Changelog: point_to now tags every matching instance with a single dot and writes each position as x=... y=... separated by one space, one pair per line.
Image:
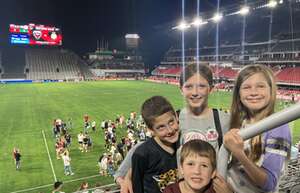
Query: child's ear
x=214 y=173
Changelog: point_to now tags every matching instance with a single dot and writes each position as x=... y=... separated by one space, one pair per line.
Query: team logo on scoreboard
x=53 y=36
x=37 y=34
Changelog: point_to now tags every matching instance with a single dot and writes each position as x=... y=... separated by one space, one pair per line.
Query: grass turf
x=27 y=109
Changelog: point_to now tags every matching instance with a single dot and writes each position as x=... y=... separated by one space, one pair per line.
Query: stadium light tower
x=272 y=4
x=132 y=41
x=244 y=10
x=217 y=17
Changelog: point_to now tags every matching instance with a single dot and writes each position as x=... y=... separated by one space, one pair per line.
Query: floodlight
x=244 y=10
x=198 y=21
x=217 y=17
x=183 y=26
x=133 y=36
x=272 y=4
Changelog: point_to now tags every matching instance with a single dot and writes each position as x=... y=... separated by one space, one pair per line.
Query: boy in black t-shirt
x=154 y=162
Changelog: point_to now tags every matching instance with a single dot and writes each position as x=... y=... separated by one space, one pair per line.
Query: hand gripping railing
x=277 y=119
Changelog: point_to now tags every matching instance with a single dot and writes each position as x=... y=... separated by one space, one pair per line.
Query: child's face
x=195 y=91
x=166 y=128
x=197 y=172
x=255 y=92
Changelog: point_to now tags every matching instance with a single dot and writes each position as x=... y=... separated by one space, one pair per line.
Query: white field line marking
x=35 y=188
x=45 y=140
x=68 y=181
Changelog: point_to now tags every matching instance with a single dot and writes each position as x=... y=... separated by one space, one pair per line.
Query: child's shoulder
x=282 y=131
x=147 y=146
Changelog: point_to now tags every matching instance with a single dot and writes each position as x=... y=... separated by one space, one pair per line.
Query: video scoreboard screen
x=33 y=34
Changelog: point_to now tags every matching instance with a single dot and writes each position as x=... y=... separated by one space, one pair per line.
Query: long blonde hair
x=239 y=112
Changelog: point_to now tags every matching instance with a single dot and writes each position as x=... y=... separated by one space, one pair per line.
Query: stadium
x=50 y=90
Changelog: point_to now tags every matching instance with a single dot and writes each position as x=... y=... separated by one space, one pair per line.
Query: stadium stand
x=13 y=63
x=54 y=64
x=50 y=64
x=105 y=63
x=42 y=64
x=83 y=66
x=290 y=75
x=1 y=68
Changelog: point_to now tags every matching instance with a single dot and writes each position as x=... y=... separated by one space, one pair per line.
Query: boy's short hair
x=57 y=184
x=155 y=107
x=200 y=148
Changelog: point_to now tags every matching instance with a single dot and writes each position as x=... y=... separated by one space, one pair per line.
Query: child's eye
x=190 y=163
x=188 y=86
x=246 y=87
x=261 y=86
x=162 y=127
x=202 y=85
x=171 y=122
x=204 y=165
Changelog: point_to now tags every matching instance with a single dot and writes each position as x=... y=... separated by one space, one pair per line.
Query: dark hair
x=57 y=184
x=191 y=69
x=155 y=107
x=200 y=148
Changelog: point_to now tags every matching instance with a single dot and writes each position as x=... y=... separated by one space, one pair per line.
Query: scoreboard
x=33 y=34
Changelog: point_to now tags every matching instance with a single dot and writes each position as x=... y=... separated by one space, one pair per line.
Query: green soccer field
x=28 y=109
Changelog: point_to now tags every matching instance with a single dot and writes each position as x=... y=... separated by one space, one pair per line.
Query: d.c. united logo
x=37 y=34
x=212 y=135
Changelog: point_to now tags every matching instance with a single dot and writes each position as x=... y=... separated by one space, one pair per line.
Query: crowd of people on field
x=115 y=150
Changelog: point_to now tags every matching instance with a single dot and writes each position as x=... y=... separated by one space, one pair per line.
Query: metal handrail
x=275 y=120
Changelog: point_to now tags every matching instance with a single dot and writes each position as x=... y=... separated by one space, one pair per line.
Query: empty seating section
x=222 y=72
x=228 y=73
x=168 y=71
x=286 y=75
x=288 y=92
x=286 y=46
x=51 y=64
x=290 y=75
x=117 y=64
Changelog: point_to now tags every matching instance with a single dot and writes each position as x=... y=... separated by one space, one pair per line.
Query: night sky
x=84 y=22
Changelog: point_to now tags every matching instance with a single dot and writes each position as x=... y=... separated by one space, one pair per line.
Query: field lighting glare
x=244 y=10
x=272 y=4
x=217 y=17
x=198 y=21
x=183 y=26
